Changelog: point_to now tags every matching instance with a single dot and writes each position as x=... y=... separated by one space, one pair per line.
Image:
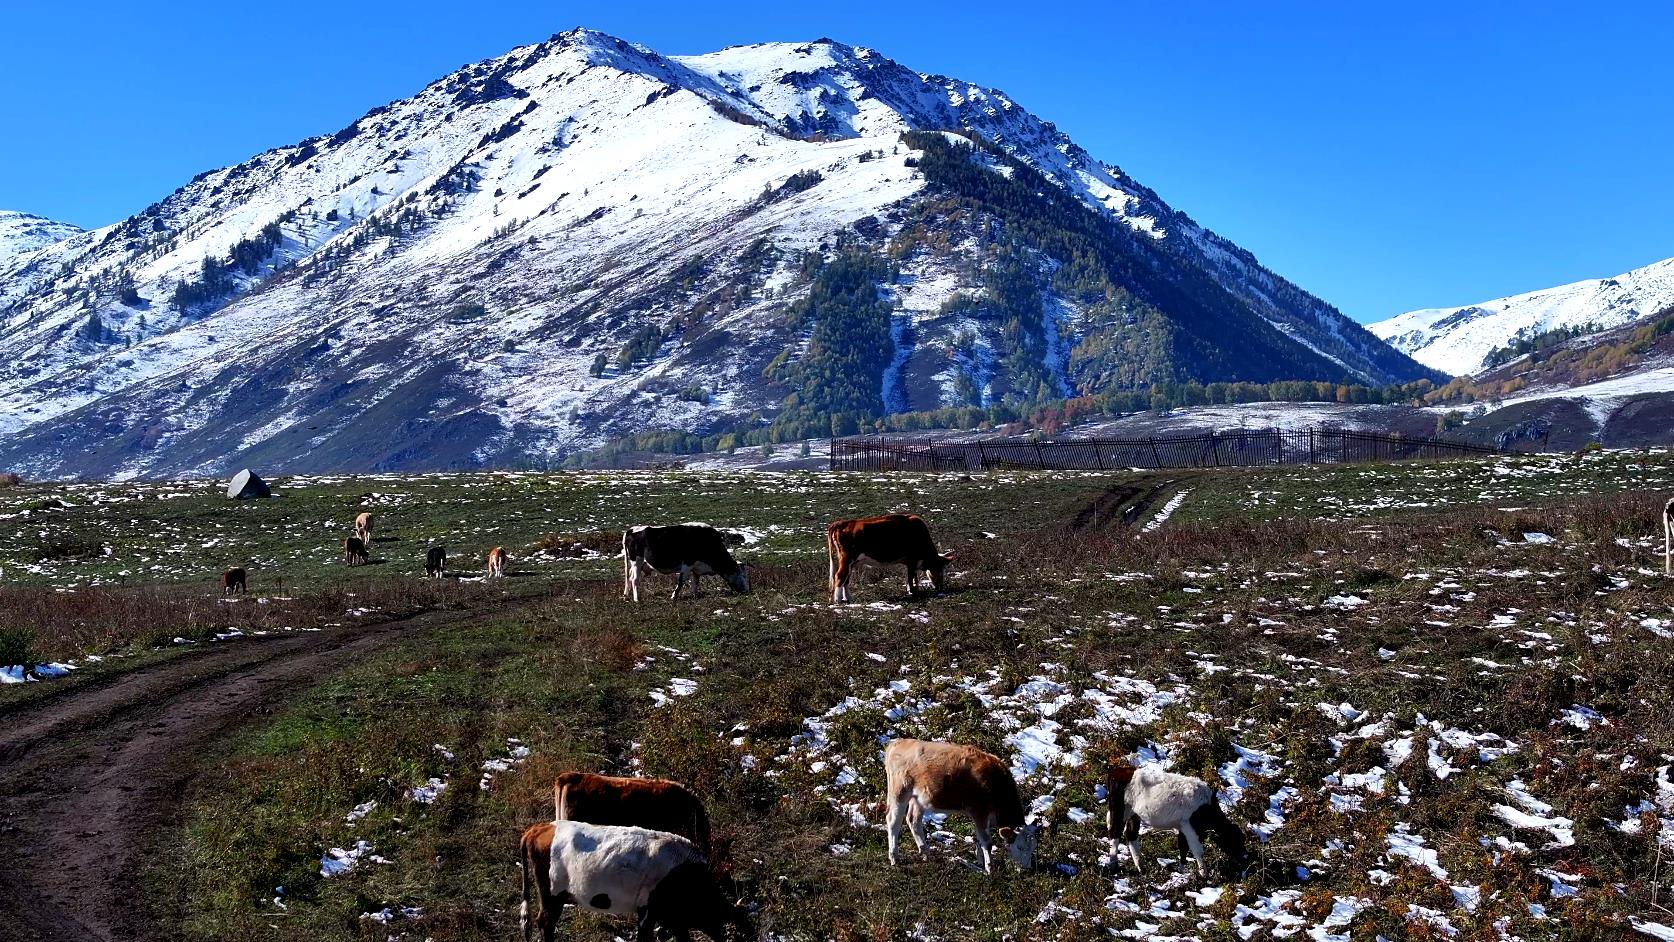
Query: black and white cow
x=661 y=879
x=688 y=549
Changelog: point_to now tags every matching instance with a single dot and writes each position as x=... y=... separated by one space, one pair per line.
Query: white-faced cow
x=661 y=879
x=654 y=803
x=892 y=539
x=937 y=776
x=354 y=551
x=436 y=562
x=363 y=527
x=233 y=581
x=690 y=549
x=1168 y=801
x=497 y=562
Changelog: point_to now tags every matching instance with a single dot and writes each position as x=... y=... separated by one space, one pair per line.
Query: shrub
x=17 y=647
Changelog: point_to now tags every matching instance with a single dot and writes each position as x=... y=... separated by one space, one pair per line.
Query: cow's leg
x=632 y=589
x=697 y=593
x=898 y=812
x=985 y=845
x=840 y=584
x=1133 y=850
x=681 y=582
x=915 y=824
x=912 y=580
x=1194 y=843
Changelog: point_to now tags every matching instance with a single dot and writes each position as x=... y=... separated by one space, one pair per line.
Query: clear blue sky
x=1384 y=156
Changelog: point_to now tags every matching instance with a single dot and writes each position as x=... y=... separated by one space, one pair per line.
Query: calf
x=1167 y=801
x=436 y=562
x=232 y=581
x=892 y=539
x=939 y=776
x=354 y=551
x=689 y=548
x=497 y=562
x=363 y=527
x=654 y=803
x=660 y=879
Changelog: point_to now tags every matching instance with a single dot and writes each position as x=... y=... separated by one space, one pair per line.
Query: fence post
x=1156 y=458
x=982 y=456
x=1040 y=456
x=1215 y=449
x=1313 y=456
x=1098 y=455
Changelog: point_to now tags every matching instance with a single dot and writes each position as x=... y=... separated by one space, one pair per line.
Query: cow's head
x=689 y=898
x=937 y=567
x=1021 y=843
x=739 y=581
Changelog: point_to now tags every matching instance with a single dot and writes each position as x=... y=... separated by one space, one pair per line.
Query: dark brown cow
x=892 y=539
x=654 y=803
x=939 y=776
x=354 y=551
x=436 y=562
x=233 y=581
x=690 y=549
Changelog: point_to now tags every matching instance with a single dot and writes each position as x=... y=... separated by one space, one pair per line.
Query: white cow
x=661 y=879
x=1167 y=801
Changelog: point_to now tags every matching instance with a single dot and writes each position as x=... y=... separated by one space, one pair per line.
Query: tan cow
x=363 y=527
x=892 y=539
x=497 y=562
x=937 y=776
x=654 y=803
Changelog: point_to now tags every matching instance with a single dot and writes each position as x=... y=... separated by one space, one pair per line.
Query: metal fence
x=1242 y=448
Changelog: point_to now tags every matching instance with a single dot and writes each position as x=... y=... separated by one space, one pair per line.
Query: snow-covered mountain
x=23 y=233
x=1456 y=339
x=583 y=239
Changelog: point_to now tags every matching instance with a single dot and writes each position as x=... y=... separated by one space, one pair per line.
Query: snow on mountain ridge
x=25 y=233
x=1457 y=339
x=450 y=270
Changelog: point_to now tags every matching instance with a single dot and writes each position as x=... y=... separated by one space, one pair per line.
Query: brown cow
x=497 y=562
x=892 y=539
x=938 y=776
x=354 y=551
x=363 y=527
x=233 y=581
x=654 y=803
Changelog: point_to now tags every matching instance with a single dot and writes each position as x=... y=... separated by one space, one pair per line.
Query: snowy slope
x=1457 y=339
x=23 y=233
x=454 y=279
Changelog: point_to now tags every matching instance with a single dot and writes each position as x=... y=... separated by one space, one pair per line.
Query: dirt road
x=88 y=777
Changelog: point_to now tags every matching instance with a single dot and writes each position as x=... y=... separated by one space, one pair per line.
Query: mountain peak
x=24 y=233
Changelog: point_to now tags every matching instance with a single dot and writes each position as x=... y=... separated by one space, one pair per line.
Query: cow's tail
x=627 y=563
x=560 y=799
x=831 y=561
x=525 y=863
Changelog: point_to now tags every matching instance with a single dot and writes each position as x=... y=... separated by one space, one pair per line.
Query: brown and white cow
x=654 y=803
x=892 y=539
x=233 y=581
x=354 y=551
x=363 y=527
x=937 y=776
x=497 y=562
x=1168 y=801
x=436 y=562
x=690 y=549
x=661 y=879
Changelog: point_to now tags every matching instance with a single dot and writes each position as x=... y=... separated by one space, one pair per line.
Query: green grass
x=1234 y=608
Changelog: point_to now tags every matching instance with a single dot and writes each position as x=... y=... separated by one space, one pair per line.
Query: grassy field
x=1439 y=694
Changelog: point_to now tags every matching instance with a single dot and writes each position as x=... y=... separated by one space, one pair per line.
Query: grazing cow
x=892 y=539
x=691 y=549
x=660 y=879
x=436 y=562
x=938 y=776
x=654 y=803
x=233 y=581
x=497 y=562
x=1166 y=801
x=363 y=527
x=354 y=551
x=1668 y=538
